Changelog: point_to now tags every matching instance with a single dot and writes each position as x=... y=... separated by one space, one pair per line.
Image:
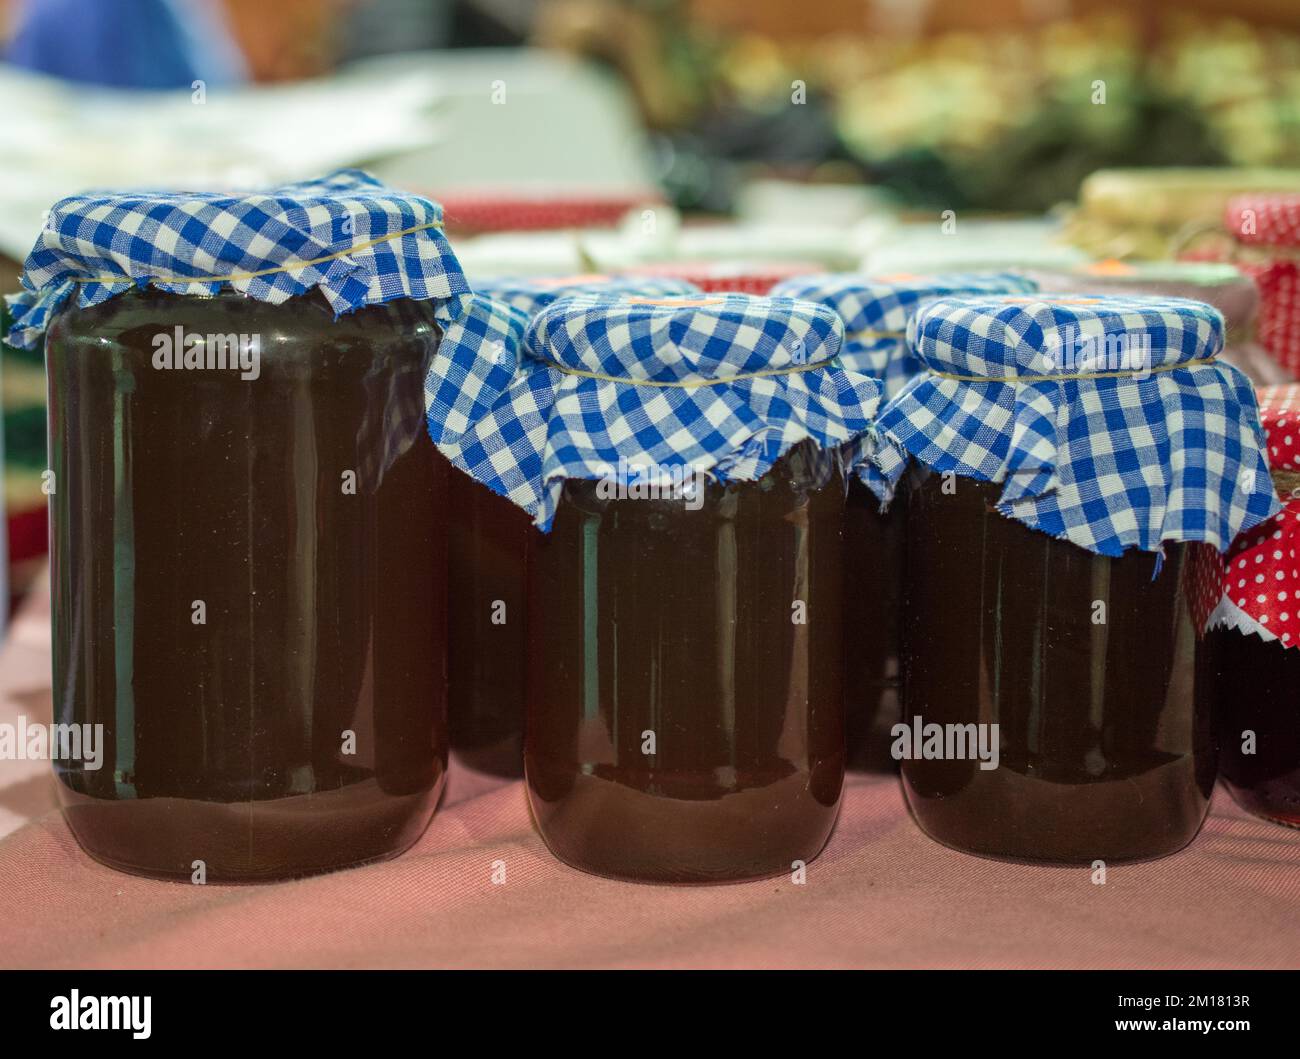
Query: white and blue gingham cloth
x=356 y=240
x=1164 y=446
x=721 y=384
x=347 y=235
x=532 y=294
x=877 y=309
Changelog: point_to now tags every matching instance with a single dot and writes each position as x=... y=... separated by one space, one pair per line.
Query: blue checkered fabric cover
x=347 y=235
x=876 y=311
x=532 y=294
x=722 y=384
x=1164 y=446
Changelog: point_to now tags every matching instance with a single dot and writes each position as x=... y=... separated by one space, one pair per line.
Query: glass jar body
x=248 y=573
x=492 y=541
x=1088 y=667
x=875 y=545
x=1258 y=720
x=685 y=713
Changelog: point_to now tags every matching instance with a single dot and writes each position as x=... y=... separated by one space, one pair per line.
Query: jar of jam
x=684 y=712
x=1254 y=632
x=492 y=541
x=1079 y=463
x=248 y=522
x=876 y=310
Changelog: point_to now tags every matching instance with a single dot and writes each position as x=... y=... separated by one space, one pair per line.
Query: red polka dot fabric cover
x=1261 y=581
x=1260 y=224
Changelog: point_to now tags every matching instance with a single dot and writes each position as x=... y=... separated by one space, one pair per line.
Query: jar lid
x=1217 y=283
x=532 y=294
x=698 y=340
x=1266 y=220
x=876 y=310
x=1109 y=420
x=1058 y=336
x=347 y=235
x=722 y=385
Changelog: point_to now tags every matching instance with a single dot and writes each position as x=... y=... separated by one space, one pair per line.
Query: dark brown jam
x=248 y=585
x=491 y=541
x=1105 y=742
x=1259 y=724
x=874 y=544
x=685 y=712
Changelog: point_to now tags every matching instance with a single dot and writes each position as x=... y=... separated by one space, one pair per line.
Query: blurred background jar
x=1254 y=632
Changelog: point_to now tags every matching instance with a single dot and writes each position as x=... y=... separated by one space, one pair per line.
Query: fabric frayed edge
x=551 y=486
x=25 y=303
x=1227 y=615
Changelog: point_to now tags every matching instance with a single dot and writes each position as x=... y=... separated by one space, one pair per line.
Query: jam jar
x=248 y=541
x=491 y=542
x=684 y=714
x=681 y=726
x=1255 y=631
x=1056 y=706
x=876 y=309
x=1105 y=748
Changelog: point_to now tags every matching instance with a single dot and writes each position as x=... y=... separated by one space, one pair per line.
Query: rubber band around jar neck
x=235 y=276
x=869 y=335
x=691 y=384
x=1077 y=376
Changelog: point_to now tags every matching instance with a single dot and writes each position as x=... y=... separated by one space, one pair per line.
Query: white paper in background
x=427 y=121
x=61 y=138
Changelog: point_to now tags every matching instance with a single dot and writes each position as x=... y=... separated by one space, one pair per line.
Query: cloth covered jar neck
x=1108 y=420
x=347 y=235
x=722 y=384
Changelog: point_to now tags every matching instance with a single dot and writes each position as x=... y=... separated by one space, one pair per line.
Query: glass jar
x=1259 y=737
x=492 y=541
x=1087 y=665
x=248 y=583
x=685 y=721
x=875 y=544
x=876 y=310
x=1256 y=628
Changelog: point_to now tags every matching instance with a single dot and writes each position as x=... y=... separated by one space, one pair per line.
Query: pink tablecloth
x=881 y=895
